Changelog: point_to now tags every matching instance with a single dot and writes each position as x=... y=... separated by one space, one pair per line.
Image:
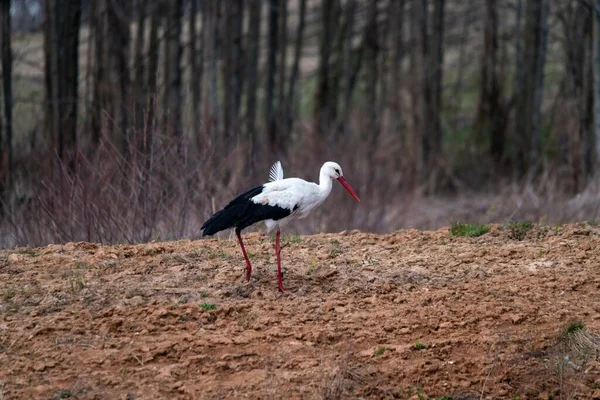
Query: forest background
x=130 y=121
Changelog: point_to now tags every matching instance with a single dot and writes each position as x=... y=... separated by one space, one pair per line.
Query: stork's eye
x=337 y=171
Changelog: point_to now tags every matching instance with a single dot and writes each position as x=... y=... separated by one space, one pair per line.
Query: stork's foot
x=248 y=272
x=281 y=288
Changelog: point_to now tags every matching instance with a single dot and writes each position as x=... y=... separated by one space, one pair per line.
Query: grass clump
x=292 y=239
x=379 y=351
x=419 y=345
x=468 y=230
x=518 y=230
x=77 y=284
x=208 y=306
x=572 y=328
x=63 y=394
x=29 y=251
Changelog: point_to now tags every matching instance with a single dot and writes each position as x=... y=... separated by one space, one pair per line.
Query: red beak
x=347 y=186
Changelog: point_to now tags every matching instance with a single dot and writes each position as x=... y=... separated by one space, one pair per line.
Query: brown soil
x=404 y=315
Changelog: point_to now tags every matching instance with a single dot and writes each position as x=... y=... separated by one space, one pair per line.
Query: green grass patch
x=63 y=394
x=572 y=328
x=80 y=265
x=419 y=345
x=468 y=230
x=27 y=251
x=518 y=230
x=208 y=306
x=292 y=239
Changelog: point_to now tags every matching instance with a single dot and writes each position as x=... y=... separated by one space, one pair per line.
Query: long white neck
x=325 y=184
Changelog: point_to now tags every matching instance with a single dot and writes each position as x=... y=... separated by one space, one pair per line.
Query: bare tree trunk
x=253 y=48
x=195 y=72
x=323 y=113
x=210 y=103
x=518 y=82
x=433 y=145
x=275 y=145
x=232 y=53
x=396 y=13
x=172 y=103
x=539 y=90
x=457 y=87
x=291 y=95
x=528 y=105
x=344 y=123
x=371 y=133
x=420 y=92
x=573 y=124
x=151 y=78
x=89 y=68
x=98 y=72
x=112 y=74
x=62 y=52
x=138 y=62
x=6 y=160
x=596 y=17
x=282 y=67
x=491 y=117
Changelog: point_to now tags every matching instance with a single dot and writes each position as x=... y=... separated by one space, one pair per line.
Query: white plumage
x=276 y=203
x=276 y=172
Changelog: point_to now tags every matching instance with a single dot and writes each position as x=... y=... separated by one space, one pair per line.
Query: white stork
x=275 y=202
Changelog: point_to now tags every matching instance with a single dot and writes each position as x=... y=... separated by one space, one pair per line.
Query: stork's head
x=334 y=171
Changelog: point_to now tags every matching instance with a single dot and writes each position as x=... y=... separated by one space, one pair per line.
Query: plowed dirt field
x=404 y=315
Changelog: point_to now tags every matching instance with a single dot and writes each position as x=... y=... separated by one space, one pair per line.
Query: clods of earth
x=407 y=315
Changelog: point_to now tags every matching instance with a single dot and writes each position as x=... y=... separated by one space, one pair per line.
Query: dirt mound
x=405 y=315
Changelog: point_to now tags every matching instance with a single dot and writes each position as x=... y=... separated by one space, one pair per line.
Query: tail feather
x=221 y=220
x=233 y=215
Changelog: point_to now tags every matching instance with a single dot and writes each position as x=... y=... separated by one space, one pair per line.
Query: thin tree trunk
x=527 y=119
x=518 y=82
x=490 y=118
x=7 y=88
x=98 y=72
x=572 y=126
x=210 y=30
x=253 y=48
x=138 y=62
x=195 y=72
x=271 y=122
x=434 y=147
x=87 y=112
x=62 y=58
x=396 y=13
x=172 y=103
x=457 y=87
x=344 y=124
x=282 y=62
x=150 y=94
x=112 y=74
x=232 y=52
x=539 y=90
x=596 y=17
x=323 y=112
x=421 y=96
x=371 y=132
x=295 y=66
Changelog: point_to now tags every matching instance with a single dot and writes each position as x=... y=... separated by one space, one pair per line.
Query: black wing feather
x=242 y=212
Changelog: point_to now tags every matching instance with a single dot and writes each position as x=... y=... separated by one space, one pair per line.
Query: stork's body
x=275 y=202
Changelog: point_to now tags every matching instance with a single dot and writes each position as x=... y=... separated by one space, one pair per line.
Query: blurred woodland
x=128 y=121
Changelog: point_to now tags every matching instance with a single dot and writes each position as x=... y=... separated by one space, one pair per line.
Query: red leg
x=248 y=266
x=278 y=251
